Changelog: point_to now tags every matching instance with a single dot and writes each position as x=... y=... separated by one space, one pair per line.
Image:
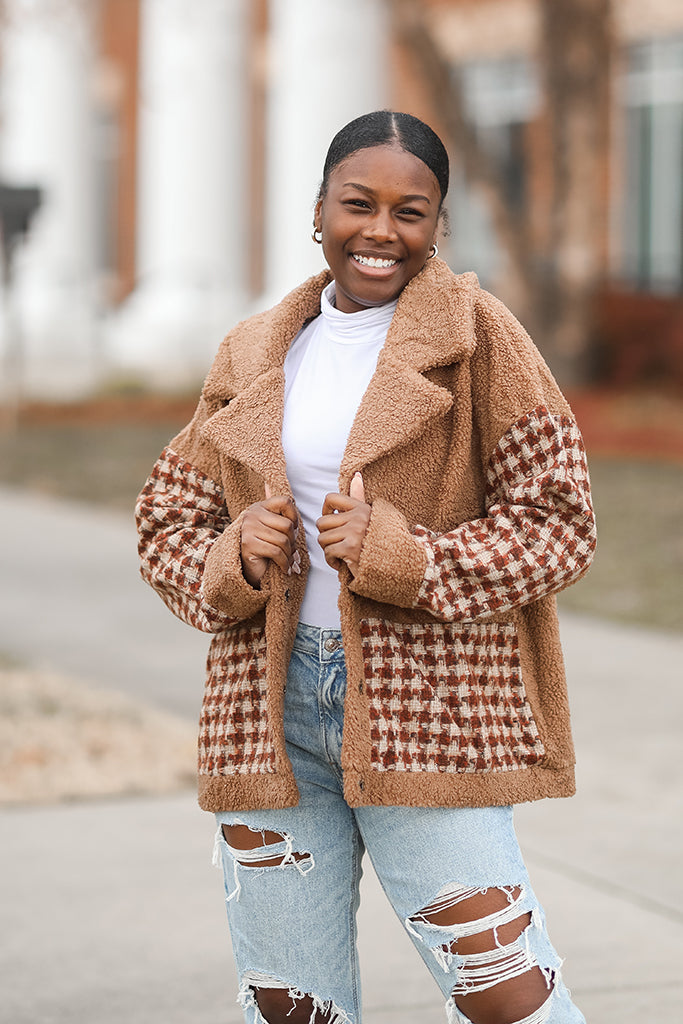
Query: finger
x=253 y=569
x=283 y=506
x=269 y=493
x=337 y=555
x=357 y=488
x=337 y=503
x=273 y=521
x=332 y=521
x=352 y=521
x=334 y=563
x=263 y=533
x=269 y=547
x=268 y=528
x=331 y=536
x=340 y=546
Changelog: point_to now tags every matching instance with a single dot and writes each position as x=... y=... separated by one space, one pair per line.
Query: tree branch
x=445 y=87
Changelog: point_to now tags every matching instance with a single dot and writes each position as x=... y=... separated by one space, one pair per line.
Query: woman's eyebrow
x=370 y=192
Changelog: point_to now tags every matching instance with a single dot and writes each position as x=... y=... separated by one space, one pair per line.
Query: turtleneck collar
x=350 y=327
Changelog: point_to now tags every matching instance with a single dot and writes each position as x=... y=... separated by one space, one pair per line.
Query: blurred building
x=179 y=145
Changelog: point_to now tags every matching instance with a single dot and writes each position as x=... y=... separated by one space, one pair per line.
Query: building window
x=649 y=216
x=501 y=98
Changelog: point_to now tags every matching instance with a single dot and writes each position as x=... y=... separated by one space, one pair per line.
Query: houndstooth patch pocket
x=447 y=697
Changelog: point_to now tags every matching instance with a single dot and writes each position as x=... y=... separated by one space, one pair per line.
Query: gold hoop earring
x=314 y=236
x=435 y=253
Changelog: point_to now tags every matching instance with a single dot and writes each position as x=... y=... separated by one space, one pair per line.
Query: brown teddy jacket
x=477 y=477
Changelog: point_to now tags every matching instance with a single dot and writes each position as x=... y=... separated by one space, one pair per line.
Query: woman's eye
x=409 y=211
x=358 y=202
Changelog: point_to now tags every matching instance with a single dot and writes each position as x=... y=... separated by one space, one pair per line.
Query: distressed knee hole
x=277 y=1002
x=242 y=841
x=483 y=937
x=256 y=848
x=276 y=1005
x=482 y=919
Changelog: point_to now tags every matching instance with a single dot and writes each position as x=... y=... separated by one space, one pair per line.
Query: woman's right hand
x=269 y=534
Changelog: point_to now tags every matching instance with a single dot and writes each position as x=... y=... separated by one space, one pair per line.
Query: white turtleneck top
x=327 y=370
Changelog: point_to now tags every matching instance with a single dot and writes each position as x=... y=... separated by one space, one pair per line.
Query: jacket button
x=361 y=785
x=360 y=687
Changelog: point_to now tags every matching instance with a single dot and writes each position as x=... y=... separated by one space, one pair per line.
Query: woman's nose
x=380 y=227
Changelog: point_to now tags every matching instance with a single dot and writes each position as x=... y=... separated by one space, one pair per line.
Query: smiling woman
x=380 y=492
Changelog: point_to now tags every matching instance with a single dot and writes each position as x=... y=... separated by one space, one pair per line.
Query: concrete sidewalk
x=110 y=910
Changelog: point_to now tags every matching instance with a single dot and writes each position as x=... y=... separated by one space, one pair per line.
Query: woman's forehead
x=386 y=165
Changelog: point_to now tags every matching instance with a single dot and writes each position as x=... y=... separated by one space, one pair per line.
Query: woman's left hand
x=343 y=525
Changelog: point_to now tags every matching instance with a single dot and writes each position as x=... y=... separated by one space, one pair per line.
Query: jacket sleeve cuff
x=393 y=562
x=223 y=584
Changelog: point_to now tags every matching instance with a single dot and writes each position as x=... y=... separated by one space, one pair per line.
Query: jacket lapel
x=247 y=383
x=433 y=326
x=249 y=429
x=396 y=407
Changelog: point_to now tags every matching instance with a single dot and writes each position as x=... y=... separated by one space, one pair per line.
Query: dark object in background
x=17 y=207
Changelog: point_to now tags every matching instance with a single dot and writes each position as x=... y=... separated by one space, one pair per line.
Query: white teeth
x=370 y=261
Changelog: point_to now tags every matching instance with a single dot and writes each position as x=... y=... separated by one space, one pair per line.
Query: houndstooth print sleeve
x=538 y=536
x=180 y=514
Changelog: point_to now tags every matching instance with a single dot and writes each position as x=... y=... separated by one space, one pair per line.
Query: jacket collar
x=433 y=326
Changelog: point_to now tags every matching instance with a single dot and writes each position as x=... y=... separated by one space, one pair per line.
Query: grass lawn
x=103 y=464
x=637 y=575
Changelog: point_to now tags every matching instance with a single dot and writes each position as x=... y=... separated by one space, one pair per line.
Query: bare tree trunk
x=575 y=61
x=554 y=274
x=512 y=230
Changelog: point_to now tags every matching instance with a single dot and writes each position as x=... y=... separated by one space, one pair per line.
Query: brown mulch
x=104 y=410
x=634 y=423
x=631 y=424
x=64 y=740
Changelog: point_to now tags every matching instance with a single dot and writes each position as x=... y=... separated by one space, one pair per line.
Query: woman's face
x=378 y=219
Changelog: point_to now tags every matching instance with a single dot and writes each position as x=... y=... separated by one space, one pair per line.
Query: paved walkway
x=110 y=911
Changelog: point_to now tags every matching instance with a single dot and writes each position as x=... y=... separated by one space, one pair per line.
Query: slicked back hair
x=384 y=128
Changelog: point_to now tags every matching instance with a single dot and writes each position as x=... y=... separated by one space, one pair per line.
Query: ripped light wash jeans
x=293 y=924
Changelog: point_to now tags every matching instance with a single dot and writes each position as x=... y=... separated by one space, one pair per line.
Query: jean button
x=331 y=644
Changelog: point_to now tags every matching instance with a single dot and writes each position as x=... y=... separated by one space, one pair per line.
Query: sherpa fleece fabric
x=481 y=511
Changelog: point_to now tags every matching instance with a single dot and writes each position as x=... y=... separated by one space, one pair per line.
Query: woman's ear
x=317 y=215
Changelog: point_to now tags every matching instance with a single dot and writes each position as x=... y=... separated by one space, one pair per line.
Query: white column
x=192 y=190
x=328 y=64
x=46 y=141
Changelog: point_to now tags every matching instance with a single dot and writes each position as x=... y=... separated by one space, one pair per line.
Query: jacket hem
x=247 y=792
x=442 y=789
x=398 y=789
